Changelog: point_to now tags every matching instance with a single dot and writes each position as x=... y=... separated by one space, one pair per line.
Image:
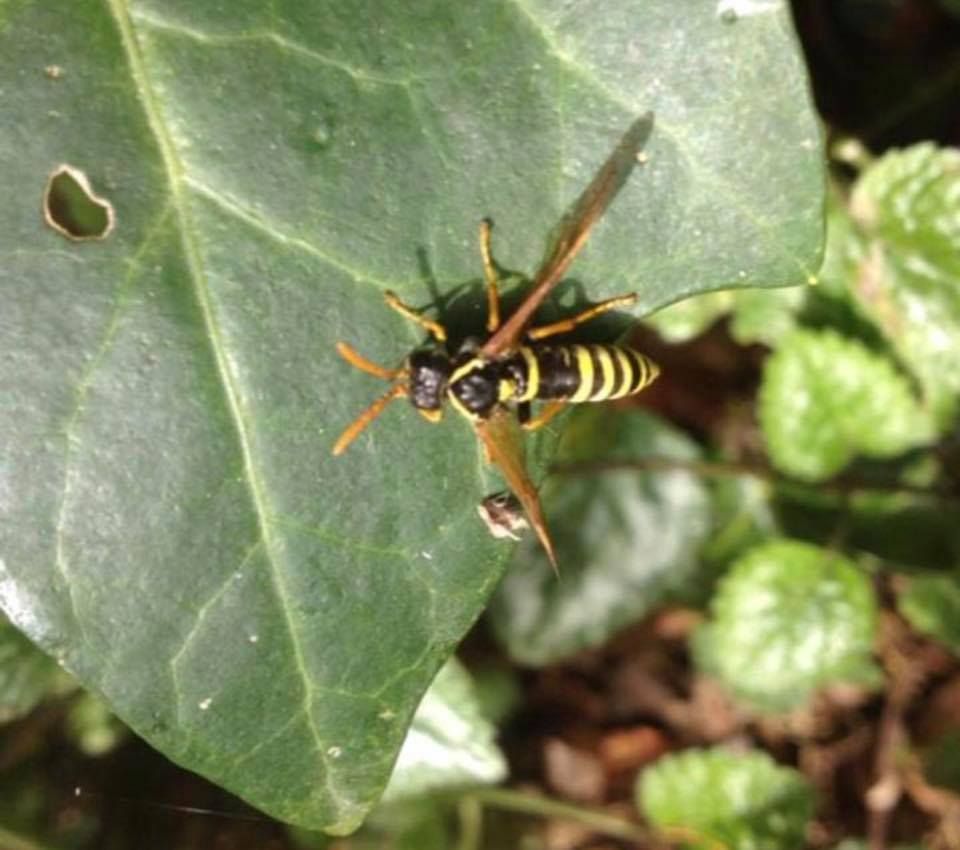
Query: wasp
x=493 y=382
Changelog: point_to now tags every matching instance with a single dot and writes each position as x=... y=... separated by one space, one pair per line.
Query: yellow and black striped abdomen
x=580 y=373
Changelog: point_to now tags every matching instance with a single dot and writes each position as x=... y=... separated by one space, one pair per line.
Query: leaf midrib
x=176 y=179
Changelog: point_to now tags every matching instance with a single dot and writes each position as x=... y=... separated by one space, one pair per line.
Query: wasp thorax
x=429 y=371
x=476 y=386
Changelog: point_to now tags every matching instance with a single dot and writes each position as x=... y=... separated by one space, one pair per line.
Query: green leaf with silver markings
x=906 y=207
x=174 y=529
x=710 y=798
x=626 y=538
x=932 y=605
x=826 y=399
x=449 y=744
x=789 y=618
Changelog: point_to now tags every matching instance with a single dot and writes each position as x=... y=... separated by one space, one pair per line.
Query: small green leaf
x=757 y=315
x=932 y=605
x=787 y=619
x=689 y=318
x=907 y=210
x=714 y=798
x=27 y=675
x=94 y=729
x=826 y=399
x=449 y=744
x=766 y=315
x=625 y=538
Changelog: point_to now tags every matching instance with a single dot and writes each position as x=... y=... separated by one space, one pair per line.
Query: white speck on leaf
x=732 y=9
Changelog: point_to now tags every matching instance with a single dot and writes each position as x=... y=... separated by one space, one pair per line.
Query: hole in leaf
x=71 y=207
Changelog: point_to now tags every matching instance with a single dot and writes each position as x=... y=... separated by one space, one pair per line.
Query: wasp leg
x=548 y=412
x=353 y=430
x=571 y=322
x=523 y=412
x=490 y=276
x=436 y=330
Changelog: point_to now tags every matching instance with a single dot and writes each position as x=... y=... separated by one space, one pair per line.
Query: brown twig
x=906 y=678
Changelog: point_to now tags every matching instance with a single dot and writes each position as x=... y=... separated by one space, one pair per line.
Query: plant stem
x=531 y=804
x=470 y=810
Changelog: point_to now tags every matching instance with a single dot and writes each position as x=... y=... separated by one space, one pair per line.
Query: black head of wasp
x=487 y=381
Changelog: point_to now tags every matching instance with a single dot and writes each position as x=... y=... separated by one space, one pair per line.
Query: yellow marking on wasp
x=627 y=371
x=433 y=416
x=638 y=371
x=608 y=388
x=584 y=370
x=647 y=371
x=468 y=367
x=506 y=389
x=533 y=374
x=653 y=371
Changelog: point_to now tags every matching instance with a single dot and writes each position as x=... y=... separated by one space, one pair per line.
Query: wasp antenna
x=372 y=412
x=360 y=362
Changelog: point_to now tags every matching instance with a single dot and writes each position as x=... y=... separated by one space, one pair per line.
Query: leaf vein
x=238 y=211
x=285 y=43
x=232 y=392
x=174 y=663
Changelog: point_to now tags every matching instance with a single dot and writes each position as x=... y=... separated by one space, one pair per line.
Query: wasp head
x=428 y=370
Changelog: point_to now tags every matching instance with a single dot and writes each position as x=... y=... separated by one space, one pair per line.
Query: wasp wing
x=573 y=232
x=500 y=435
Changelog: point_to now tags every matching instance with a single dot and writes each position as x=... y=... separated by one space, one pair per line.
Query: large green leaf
x=174 y=529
